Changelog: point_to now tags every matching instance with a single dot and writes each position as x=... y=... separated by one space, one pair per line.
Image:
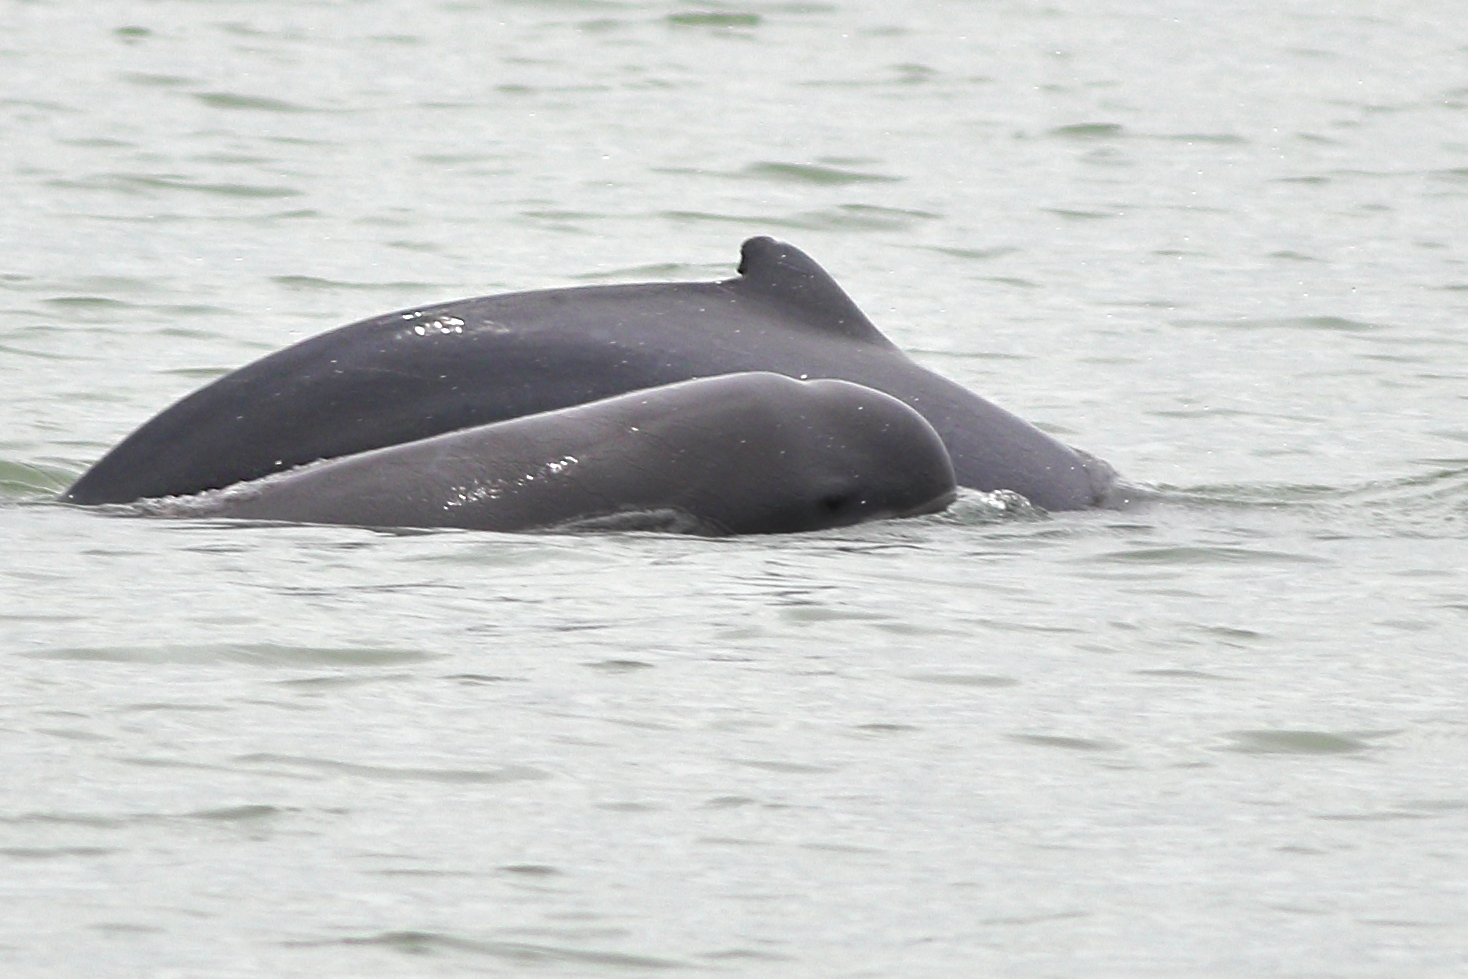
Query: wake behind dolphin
x=419 y=373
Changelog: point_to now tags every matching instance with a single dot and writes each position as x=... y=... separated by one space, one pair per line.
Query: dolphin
x=734 y=454
x=421 y=372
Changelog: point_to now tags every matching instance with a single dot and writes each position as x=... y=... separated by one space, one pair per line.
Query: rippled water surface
x=1219 y=733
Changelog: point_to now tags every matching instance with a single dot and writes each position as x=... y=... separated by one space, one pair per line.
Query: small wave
x=714 y=18
x=311 y=283
x=247 y=813
x=964 y=679
x=252 y=654
x=1089 y=130
x=812 y=173
x=496 y=775
x=912 y=73
x=1247 y=495
x=1205 y=554
x=1010 y=280
x=149 y=80
x=255 y=103
x=975 y=508
x=1433 y=503
x=662 y=271
x=561 y=214
x=1064 y=743
x=660 y=521
x=1336 y=324
x=24 y=481
x=198 y=373
x=1071 y=214
x=97 y=304
x=419 y=943
x=1220 y=139
x=869 y=216
x=1290 y=742
x=141 y=185
x=978 y=254
x=221 y=190
x=843 y=217
x=619 y=666
x=1448 y=485
x=531 y=870
x=205 y=504
x=54 y=852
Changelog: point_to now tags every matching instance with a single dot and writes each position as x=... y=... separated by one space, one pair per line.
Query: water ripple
x=1090 y=130
x=518 y=953
x=964 y=679
x=713 y=18
x=256 y=103
x=1297 y=742
x=31 y=481
x=491 y=776
x=843 y=217
x=811 y=173
x=252 y=654
x=54 y=852
x=1199 y=554
x=1336 y=324
x=1065 y=743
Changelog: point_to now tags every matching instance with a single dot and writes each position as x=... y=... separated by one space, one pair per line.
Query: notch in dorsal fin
x=788 y=276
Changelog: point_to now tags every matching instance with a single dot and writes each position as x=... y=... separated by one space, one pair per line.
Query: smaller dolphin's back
x=740 y=453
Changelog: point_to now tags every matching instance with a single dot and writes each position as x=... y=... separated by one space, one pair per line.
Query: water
x=1218 y=734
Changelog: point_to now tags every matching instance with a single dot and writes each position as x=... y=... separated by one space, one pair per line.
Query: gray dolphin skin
x=735 y=454
x=422 y=372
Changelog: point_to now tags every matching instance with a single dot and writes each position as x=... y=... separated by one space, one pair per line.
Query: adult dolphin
x=413 y=374
x=734 y=454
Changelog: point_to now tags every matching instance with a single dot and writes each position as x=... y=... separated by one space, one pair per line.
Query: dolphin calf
x=421 y=372
x=735 y=454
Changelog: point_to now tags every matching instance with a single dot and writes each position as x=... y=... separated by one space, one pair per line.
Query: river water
x=1221 y=733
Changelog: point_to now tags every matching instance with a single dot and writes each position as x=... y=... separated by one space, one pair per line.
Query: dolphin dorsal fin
x=785 y=275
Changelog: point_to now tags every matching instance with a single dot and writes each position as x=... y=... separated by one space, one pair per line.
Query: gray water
x=1222 y=733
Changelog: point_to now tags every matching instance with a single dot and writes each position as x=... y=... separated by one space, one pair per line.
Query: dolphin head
x=796 y=455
